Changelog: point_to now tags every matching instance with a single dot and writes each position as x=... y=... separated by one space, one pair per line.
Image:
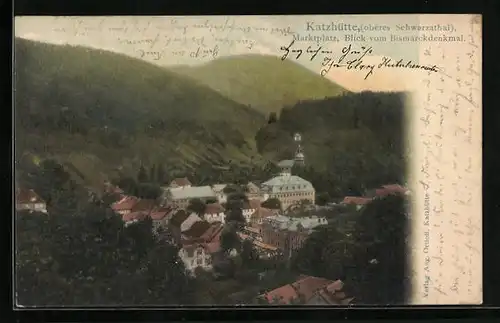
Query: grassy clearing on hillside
x=265 y=83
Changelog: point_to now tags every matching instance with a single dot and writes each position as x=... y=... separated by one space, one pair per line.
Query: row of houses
x=198 y=239
x=200 y=248
x=289 y=189
x=270 y=232
x=197 y=234
x=289 y=234
x=309 y=290
x=133 y=209
x=383 y=191
x=180 y=192
x=189 y=230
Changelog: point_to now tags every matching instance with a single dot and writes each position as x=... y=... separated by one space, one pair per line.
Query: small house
x=28 y=200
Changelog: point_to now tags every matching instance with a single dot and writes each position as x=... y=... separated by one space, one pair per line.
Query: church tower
x=299 y=153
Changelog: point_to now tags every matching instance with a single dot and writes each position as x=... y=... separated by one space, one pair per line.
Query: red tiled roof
x=335 y=286
x=212 y=247
x=133 y=216
x=390 y=189
x=127 y=203
x=357 y=200
x=181 y=181
x=143 y=205
x=197 y=229
x=338 y=298
x=25 y=196
x=306 y=286
x=179 y=217
x=214 y=208
x=251 y=204
x=160 y=213
x=332 y=294
x=264 y=245
x=283 y=294
x=213 y=233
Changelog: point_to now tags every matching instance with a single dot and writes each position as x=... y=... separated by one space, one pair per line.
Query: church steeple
x=299 y=153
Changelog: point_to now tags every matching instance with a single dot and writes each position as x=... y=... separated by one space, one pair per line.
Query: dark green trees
x=371 y=259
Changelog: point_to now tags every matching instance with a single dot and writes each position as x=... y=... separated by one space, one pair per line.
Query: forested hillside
x=85 y=115
x=266 y=83
x=98 y=113
x=356 y=140
x=97 y=108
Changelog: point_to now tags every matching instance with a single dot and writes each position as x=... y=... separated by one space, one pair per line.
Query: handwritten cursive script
x=350 y=58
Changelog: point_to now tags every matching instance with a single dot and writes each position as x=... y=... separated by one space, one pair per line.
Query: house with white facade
x=125 y=205
x=198 y=255
x=287 y=188
x=180 y=182
x=181 y=196
x=249 y=208
x=214 y=212
x=199 y=245
x=219 y=192
x=28 y=200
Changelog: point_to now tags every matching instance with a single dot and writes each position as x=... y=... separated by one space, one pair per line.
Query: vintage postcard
x=259 y=160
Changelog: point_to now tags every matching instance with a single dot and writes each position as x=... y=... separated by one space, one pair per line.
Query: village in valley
x=264 y=224
x=239 y=178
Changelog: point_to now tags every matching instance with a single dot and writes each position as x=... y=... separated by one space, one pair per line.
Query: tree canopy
x=248 y=253
x=229 y=240
x=371 y=259
x=95 y=260
x=234 y=210
x=272 y=203
x=197 y=206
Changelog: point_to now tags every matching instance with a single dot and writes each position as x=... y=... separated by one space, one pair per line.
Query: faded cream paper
x=446 y=169
x=444 y=129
